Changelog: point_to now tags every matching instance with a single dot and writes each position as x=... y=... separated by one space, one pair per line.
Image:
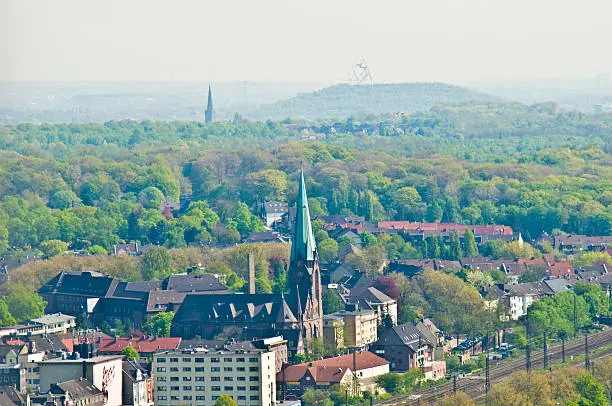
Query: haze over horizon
x=279 y=41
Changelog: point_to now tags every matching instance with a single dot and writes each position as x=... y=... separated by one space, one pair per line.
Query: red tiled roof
x=363 y=360
x=142 y=345
x=320 y=374
x=558 y=269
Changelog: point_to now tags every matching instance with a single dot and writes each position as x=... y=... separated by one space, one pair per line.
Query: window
x=239 y=359
x=254 y=378
x=227 y=369
x=240 y=369
x=241 y=388
x=174 y=398
x=199 y=360
x=199 y=369
x=255 y=397
x=215 y=378
x=252 y=359
x=227 y=360
x=186 y=387
x=160 y=360
x=173 y=369
x=186 y=359
x=161 y=369
x=215 y=369
x=199 y=379
x=253 y=369
x=186 y=369
x=215 y=360
x=228 y=379
x=242 y=378
x=229 y=388
x=173 y=359
x=160 y=397
x=215 y=397
x=200 y=388
x=174 y=388
x=200 y=398
x=186 y=397
x=174 y=379
x=161 y=379
x=186 y=378
x=161 y=388
x=241 y=397
x=216 y=388
x=254 y=388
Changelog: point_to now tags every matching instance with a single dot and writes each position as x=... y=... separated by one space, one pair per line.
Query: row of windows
x=212 y=369
x=202 y=388
x=214 y=360
x=189 y=397
x=212 y=378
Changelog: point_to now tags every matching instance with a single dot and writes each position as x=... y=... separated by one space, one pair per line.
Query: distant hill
x=344 y=100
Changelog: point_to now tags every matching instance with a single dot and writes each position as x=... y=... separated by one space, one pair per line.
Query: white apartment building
x=198 y=376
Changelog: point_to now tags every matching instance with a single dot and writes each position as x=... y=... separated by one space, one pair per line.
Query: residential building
x=373 y=299
x=333 y=330
x=405 y=347
x=570 y=244
x=519 y=297
x=198 y=376
x=56 y=323
x=78 y=392
x=145 y=345
x=13 y=376
x=364 y=367
x=105 y=372
x=138 y=385
x=360 y=327
x=273 y=212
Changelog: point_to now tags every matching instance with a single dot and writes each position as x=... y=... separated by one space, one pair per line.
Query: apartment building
x=360 y=327
x=199 y=376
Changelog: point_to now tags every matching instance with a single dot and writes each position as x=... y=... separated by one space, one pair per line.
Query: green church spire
x=304 y=247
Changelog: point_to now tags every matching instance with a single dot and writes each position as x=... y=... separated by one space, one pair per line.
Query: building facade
x=199 y=376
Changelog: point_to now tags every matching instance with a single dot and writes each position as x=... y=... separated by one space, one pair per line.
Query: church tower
x=304 y=279
x=208 y=118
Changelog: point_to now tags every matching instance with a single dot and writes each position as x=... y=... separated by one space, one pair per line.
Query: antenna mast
x=361 y=73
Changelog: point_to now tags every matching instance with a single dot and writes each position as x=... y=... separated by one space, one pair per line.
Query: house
x=373 y=299
x=333 y=330
x=466 y=349
x=485 y=264
x=519 y=297
x=273 y=212
x=137 y=383
x=56 y=323
x=77 y=392
x=364 y=367
x=418 y=231
x=126 y=249
x=570 y=244
x=294 y=380
x=405 y=347
x=264 y=237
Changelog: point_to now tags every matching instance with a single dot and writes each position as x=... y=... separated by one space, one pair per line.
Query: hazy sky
x=307 y=40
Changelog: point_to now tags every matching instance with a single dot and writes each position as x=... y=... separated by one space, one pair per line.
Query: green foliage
x=64 y=199
x=130 y=353
x=225 y=400
x=151 y=198
x=469 y=244
x=156 y=264
x=331 y=302
x=24 y=305
x=245 y=221
x=6 y=318
x=328 y=250
x=51 y=248
x=160 y=324
x=400 y=383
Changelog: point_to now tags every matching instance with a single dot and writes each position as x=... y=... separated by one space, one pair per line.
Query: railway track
x=474 y=385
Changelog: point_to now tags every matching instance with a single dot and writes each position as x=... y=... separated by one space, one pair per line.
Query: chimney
x=251 y=261
x=84 y=369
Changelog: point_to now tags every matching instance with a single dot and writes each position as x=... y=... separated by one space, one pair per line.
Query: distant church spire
x=209 y=108
x=303 y=248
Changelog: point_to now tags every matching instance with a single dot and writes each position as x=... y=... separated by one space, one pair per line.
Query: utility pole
x=528 y=349
x=587 y=362
x=563 y=349
x=455 y=383
x=575 y=319
x=545 y=351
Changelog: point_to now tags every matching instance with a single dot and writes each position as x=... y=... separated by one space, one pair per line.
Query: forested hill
x=344 y=100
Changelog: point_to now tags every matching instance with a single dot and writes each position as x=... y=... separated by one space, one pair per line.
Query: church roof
x=304 y=246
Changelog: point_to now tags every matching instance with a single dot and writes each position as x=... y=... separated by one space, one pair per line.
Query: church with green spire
x=297 y=315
